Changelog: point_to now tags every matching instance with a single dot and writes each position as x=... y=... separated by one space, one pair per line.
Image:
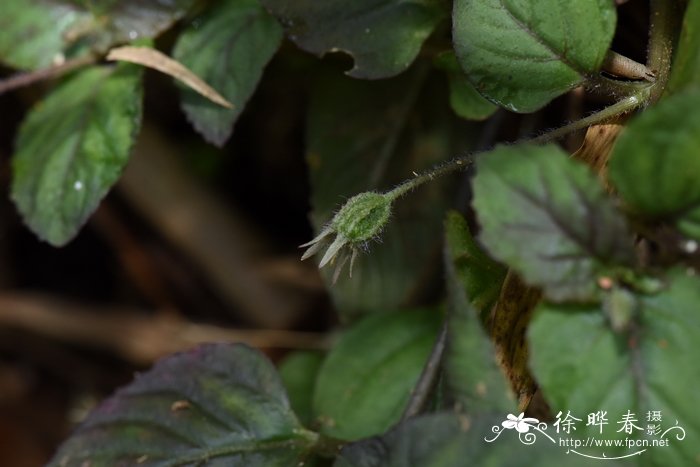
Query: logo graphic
x=629 y=435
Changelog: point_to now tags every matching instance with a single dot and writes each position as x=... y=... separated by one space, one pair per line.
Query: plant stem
x=461 y=163
x=458 y=163
x=664 y=21
x=20 y=80
x=616 y=88
x=428 y=378
x=621 y=107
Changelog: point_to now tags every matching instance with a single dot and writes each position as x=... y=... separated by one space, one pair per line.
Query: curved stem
x=599 y=84
x=458 y=163
x=461 y=163
x=619 y=108
x=20 y=80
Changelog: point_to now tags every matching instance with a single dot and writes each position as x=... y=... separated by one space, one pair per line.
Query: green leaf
x=298 y=371
x=449 y=440
x=479 y=276
x=584 y=366
x=228 y=48
x=35 y=33
x=370 y=136
x=72 y=148
x=521 y=54
x=431 y=440
x=686 y=65
x=464 y=99
x=382 y=36
x=549 y=218
x=127 y=20
x=366 y=380
x=655 y=163
x=473 y=281
x=219 y=405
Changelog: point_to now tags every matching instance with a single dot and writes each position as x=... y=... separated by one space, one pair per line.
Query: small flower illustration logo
x=521 y=423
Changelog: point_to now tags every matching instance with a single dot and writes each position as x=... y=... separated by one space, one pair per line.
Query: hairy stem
x=461 y=163
x=607 y=87
x=458 y=163
x=619 y=108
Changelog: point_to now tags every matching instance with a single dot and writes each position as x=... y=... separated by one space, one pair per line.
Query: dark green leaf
x=474 y=282
x=128 y=20
x=686 y=66
x=523 y=53
x=370 y=136
x=449 y=440
x=464 y=99
x=366 y=380
x=219 y=405
x=655 y=163
x=432 y=440
x=36 y=33
x=549 y=218
x=584 y=366
x=298 y=371
x=72 y=148
x=383 y=36
x=228 y=48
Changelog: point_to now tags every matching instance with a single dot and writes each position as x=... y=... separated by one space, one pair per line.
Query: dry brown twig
x=133 y=334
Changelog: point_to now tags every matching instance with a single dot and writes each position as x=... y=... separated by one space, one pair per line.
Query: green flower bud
x=361 y=219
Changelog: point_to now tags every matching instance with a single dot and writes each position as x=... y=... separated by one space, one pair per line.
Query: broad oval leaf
x=655 y=163
x=228 y=48
x=366 y=380
x=37 y=33
x=219 y=405
x=473 y=282
x=584 y=366
x=521 y=54
x=549 y=218
x=72 y=148
x=382 y=36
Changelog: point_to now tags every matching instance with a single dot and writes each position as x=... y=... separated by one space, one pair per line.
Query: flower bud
x=363 y=217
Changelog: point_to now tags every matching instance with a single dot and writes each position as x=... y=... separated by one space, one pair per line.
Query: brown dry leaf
x=152 y=58
x=509 y=320
x=597 y=146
